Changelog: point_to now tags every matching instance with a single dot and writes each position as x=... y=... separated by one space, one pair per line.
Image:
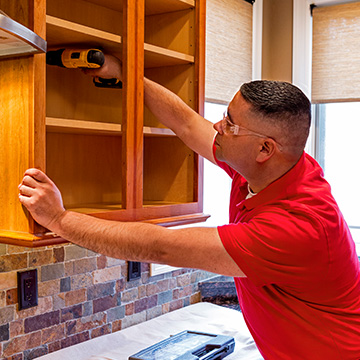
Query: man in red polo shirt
x=287 y=245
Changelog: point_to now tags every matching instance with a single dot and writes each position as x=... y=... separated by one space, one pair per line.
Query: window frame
x=302 y=61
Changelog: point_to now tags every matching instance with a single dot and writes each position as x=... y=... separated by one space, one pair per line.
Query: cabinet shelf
x=156 y=56
x=58 y=125
x=108 y=206
x=154 y=131
x=81 y=127
x=149 y=203
x=29 y=240
x=33 y=241
x=153 y=7
x=94 y=208
x=179 y=220
x=62 y=33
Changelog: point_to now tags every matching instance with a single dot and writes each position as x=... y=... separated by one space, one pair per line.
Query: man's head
x=283 y=108
x=265 y=130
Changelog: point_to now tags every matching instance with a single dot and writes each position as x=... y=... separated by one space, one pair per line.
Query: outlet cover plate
x=134 y=270
x=27 y=289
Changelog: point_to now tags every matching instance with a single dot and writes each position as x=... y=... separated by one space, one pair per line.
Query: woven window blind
x=336 y=53
x=228 y=48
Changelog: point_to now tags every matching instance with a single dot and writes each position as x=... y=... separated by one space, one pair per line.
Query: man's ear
x=266 y=151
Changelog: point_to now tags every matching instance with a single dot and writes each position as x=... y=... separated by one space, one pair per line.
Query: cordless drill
x=82 y=58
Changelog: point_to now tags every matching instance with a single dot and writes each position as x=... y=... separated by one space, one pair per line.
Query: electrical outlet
x=134 y=270
x=27 y=289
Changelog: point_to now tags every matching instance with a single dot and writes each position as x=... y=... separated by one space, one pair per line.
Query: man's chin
x=218 y=153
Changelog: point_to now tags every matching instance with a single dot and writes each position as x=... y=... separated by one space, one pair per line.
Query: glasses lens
x=224 y=126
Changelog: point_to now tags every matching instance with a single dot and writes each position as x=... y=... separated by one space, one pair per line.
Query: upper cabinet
x=109 y=156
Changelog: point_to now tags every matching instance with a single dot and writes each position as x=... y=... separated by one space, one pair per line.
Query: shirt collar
x=279 y=188
x=250 y=194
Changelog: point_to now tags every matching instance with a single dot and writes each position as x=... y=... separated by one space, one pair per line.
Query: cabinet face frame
x=133 y=75
x=19 y=227
x=24 y=127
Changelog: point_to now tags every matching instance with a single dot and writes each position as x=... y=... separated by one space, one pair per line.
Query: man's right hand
x=111 y=69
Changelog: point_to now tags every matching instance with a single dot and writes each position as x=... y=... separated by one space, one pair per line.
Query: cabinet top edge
x=152 y=7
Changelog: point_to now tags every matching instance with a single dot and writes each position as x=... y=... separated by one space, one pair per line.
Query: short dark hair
x=282 y=105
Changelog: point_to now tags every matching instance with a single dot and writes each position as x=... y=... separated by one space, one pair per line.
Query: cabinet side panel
x=22 y=134
x=200 y=92
x=37 y=134
x=16 y=101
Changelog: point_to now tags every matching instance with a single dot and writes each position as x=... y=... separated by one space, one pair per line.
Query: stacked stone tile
x=82 y=295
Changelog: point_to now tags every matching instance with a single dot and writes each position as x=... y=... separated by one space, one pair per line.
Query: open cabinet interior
x=84 y=122
x=87 y=170
x=169 y=176
x=109 y=156
x=168 y=179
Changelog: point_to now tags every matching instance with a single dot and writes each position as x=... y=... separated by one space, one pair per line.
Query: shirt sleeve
x=277 y=247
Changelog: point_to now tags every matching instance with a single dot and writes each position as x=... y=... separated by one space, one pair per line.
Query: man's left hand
x=42 y=198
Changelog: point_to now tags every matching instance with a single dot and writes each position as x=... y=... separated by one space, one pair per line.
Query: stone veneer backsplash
x=82 y=295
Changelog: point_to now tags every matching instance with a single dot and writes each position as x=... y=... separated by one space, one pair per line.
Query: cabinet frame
x=16 y=226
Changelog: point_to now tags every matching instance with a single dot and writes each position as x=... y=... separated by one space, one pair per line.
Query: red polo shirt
x=301 y=294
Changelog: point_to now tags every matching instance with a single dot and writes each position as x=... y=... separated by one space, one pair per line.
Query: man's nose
x=217 y=126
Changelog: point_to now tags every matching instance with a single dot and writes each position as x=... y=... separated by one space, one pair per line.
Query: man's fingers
x=26 y=190
x=24 y=200
x=90 y=72
x=29 y=181
x=36 y=174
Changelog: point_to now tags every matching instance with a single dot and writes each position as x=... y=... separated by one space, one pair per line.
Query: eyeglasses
x=229 y=128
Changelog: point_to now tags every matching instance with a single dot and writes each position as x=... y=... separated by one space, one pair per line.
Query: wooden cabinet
x=107 y=153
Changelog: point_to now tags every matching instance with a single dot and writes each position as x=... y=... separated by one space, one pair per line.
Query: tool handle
x=76 y=58
x=107 y=83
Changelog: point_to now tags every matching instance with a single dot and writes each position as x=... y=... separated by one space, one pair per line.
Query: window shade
x=336 y=53
x=228 y=48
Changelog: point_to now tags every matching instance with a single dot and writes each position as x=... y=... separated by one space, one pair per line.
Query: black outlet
x=134 y=270
x=27 y=289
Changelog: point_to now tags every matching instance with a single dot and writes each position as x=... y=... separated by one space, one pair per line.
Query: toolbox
x=188 y=345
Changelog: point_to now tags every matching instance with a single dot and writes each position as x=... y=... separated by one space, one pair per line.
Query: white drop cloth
x=203 y=317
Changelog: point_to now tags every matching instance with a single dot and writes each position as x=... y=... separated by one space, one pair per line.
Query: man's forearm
x=168 y=107
x=129 y=241
x=195 y=131
x=199 y=248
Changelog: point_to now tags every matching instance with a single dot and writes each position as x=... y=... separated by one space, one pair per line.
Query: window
x=217 y=183
x=335 y=65
x=337 y=135
x=335 y=119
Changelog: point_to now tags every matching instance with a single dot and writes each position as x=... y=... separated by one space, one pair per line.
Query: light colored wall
x=277 y=40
